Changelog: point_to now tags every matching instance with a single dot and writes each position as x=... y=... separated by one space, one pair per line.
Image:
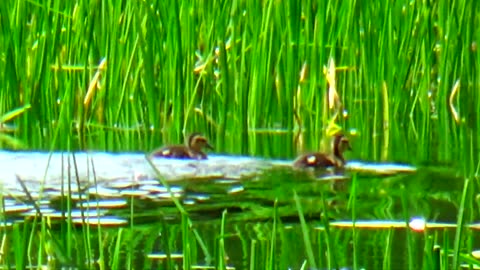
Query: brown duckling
x=319 y=160
x=192 y=149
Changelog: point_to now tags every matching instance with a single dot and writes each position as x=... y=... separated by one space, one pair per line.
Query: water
x=262 y=214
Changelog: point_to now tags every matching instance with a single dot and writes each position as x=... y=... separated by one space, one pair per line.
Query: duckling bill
x=319 y=160
x=193 y=148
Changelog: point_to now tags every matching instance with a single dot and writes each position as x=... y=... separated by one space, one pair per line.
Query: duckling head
x=341 y=143
x=197 y=142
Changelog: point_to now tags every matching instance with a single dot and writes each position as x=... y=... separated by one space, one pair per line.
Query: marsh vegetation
x=267 y=79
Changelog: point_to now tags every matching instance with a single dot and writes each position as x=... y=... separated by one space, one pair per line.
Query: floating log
x=74 y=171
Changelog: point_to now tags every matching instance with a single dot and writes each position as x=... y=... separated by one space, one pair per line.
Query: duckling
x=192 y=149
x=320 y=160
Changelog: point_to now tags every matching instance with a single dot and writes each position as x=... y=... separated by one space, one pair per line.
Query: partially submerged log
x=41 y=171
x=102 y=184
x=77 y=171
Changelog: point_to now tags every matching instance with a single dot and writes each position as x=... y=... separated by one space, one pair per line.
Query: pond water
x=280 y=216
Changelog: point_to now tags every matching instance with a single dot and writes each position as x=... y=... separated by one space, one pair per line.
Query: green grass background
x=232 y=70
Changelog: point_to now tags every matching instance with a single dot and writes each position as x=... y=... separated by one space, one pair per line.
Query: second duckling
x=319 y=160
x=193 y=148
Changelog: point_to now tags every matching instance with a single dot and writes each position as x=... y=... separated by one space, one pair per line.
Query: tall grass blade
x=460 y=225
x=305 y=231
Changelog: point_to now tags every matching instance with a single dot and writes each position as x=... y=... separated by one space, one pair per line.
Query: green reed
x=236 y=70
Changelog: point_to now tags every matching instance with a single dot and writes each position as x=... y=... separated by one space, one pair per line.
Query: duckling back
x=193 y=148
x=174 y=151
x=316 y=160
